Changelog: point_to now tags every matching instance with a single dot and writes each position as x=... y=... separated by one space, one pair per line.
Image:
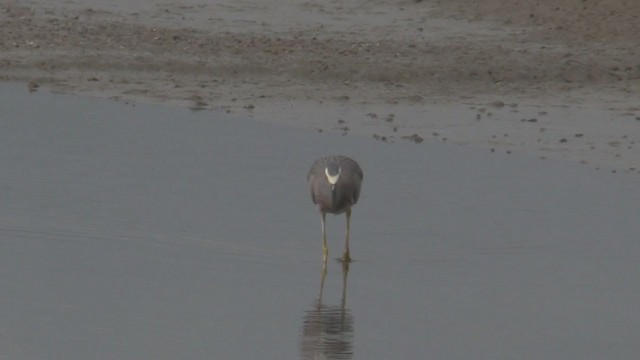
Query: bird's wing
x=311 y=181
x=317 y=169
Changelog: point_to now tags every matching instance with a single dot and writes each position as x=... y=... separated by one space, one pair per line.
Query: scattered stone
x=249 y=107
x=497 y=104
x=578 y=135
x=415 y=138
x=390 y=118
x=33 y=86
x=340 y=121
x=563 y=140
x=372 y=115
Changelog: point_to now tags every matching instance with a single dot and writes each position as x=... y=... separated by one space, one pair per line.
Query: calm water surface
x=146 y=232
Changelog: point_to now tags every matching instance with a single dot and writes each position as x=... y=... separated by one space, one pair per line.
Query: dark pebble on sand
x=415 y=138
x=33 y=86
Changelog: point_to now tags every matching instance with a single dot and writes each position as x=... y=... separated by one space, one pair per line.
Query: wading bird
x=335 y=187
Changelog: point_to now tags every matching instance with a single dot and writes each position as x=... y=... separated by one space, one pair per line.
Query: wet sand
x=555 y=79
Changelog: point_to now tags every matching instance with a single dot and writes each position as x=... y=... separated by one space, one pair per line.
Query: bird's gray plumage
x=347 y=188
x=337 y=197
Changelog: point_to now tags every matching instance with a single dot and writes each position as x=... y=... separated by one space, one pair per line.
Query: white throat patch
x=332 y=179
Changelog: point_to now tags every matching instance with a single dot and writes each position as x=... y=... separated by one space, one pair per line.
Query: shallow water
x=147 y=232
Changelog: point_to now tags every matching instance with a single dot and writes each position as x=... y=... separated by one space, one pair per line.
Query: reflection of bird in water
x=327 y=330
x=335 y=187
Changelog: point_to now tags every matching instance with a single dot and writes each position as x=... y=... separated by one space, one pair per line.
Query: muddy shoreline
x=347 y=66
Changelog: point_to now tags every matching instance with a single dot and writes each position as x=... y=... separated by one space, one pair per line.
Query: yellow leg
x=323 y=274
x=347 y=257
x=345 y=274
x=325 y=250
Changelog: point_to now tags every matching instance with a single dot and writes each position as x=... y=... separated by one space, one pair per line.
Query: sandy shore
x=554 y=78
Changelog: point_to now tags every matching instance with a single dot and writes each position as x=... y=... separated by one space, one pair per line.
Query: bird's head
x=332 y=171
